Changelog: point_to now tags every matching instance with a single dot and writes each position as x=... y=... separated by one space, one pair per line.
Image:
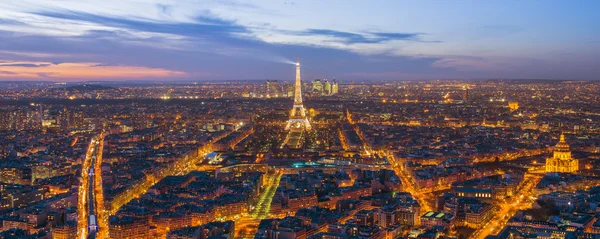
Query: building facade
x=562 y=161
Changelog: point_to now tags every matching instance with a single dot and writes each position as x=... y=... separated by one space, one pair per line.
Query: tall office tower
x=62 y=118
x=268 y=88
x=298 y=120
x=327 y=88
x=5 y=120
x=77 y=119
x=334 y=87
x=273 y=89
x=317 y=87
x=19 y=119
x=33 y=119
x=289 y=89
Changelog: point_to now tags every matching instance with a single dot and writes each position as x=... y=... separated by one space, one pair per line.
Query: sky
x=180 y=40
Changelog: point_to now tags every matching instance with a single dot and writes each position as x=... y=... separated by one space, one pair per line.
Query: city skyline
x=307 y=160
x=230 y=119
x=203 y=40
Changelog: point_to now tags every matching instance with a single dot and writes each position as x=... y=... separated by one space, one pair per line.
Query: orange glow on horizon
x=84 y=70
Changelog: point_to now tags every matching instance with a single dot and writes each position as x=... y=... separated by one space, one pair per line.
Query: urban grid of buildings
x=323 y=159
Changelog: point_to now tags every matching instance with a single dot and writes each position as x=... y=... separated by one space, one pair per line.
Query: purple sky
x=229 y=40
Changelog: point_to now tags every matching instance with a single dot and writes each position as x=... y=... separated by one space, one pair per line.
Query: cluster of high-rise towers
x=318 y=87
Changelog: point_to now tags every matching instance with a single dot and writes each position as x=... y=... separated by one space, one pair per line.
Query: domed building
x=561 y=161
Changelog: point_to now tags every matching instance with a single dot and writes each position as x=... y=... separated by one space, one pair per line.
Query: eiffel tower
x=298 y=120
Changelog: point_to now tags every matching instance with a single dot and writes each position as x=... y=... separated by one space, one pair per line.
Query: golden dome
x=562 y=145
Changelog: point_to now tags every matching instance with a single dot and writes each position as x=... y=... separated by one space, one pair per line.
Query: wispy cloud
x=396 y=75
x=485 y=64
x=7 y=73
x=351 y=37
x=4 y=21
x=199 y=36
x=42 y=70
x=204 y=26
x=32 y=54
x=23 y=65
x=174 y=28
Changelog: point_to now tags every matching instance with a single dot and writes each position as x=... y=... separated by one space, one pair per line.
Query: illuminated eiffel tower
x=298 y=120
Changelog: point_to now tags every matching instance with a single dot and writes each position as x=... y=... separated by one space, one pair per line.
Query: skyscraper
x=317 y=87
x=327 y=88
x=273 y=89
x=334 y=87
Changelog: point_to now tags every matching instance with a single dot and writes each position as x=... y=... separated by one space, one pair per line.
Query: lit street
x=263 y=119
x=91 y=202
x=522 y=200
x=247 y=225
x=407 y=183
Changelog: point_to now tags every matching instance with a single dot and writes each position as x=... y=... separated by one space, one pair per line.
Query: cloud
x=217 y=36
x=395 y=75
x=465 y=63
x=37 y=70
x=171 y=27
x=23 y=65
x=7 y=73
x=165 y=9
x=4 y=21
x=202 y=26
x=352 y=38
x=206 y=28
x=486 y=64
x=31 y=54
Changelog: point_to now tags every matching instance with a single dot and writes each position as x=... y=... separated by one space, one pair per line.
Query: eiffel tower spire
x=298 y=86
x=298 y=119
